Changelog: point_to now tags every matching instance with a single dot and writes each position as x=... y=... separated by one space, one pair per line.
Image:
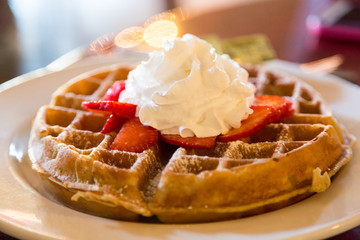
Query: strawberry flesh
x=113 y=93
x=189 y=142
x=120 y=109
x=113 y=123
x=283 y=108
x=134 y=137
x=261 y=116
x=267 y=109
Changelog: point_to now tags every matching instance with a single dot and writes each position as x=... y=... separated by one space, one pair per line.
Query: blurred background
x=34 y=33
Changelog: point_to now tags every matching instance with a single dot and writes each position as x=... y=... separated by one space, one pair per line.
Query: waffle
x=279 y=165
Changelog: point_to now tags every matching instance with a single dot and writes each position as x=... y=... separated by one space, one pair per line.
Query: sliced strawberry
x=114 y=91
x=259 y=118
x=290 y=111
x=121 y=109
x=134 y=137
x=270 y=100
x=189 y=142
x=267 y=109
x=282 y=106
x=113 y=123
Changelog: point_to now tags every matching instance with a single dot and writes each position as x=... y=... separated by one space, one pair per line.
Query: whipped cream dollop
x=189 y=89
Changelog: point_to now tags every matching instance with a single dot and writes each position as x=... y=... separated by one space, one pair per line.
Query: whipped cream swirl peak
x=189 y=89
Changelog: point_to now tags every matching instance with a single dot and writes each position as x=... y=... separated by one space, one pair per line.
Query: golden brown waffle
x=67 y=148
x=279 y=165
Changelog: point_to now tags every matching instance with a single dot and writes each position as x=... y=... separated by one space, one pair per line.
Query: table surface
x=283 y=21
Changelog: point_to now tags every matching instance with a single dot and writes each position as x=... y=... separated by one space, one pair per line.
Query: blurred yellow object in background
x=254 y=48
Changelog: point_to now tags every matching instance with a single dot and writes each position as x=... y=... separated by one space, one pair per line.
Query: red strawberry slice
x=261 y=116
x=189 y=142
x=267 y=109
x=134 y=137
x=113 y=123
x=283 y=107
x=114 y=91
x=121 y=109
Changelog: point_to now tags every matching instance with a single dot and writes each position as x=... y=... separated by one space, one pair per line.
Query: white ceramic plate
x=25 y=213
